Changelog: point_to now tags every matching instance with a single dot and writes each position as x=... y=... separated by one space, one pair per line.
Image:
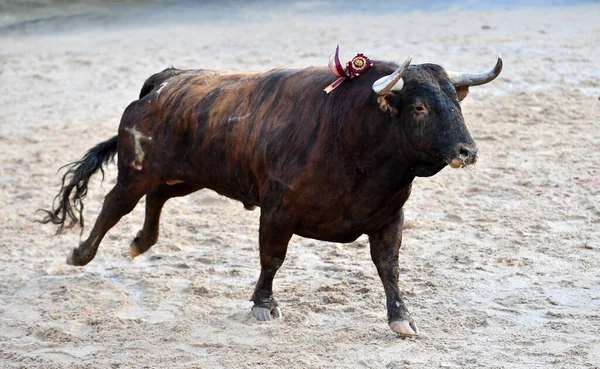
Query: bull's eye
x=420 y=109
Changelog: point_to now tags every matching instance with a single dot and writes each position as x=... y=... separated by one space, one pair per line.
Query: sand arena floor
x=500 y=262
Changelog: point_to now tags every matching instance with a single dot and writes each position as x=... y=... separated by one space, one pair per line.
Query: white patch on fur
x=95 y=240
x=234 y=119
x=137 y=145
x=162 y=85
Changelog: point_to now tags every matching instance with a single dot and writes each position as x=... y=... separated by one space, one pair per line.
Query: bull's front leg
x=276 y=230
x=385 y=247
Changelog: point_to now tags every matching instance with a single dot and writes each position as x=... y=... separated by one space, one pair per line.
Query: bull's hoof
x=265 y=314
x=70 y=258
x=135 y=246
x=133 y=250
x=266 y=310
x=405 y=327
x=139 y=246
x=75 y=259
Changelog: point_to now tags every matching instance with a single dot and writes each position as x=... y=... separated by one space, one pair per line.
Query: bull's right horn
x=393 y=82
x=461 y=79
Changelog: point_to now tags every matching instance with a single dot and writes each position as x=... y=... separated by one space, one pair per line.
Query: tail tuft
x=67 y=206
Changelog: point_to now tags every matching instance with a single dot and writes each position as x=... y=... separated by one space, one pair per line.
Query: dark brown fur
x=325 y=166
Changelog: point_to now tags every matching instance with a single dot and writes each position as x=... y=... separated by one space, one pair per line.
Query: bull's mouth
x=461 y=162
x=423 y=169
x=465 y=155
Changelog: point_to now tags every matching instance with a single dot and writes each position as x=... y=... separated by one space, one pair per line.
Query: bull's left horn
x=459 y=79
x=393 y=82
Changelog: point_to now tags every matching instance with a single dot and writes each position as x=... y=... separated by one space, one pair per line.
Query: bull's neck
x=376 y=150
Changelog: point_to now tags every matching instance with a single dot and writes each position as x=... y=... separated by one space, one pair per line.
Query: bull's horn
x=475 y=79
x=393 y=82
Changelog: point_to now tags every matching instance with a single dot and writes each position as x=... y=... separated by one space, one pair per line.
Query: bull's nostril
x=464 y=152
x=467 y=153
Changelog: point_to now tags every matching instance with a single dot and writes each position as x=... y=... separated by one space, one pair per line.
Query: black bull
x=326 y=166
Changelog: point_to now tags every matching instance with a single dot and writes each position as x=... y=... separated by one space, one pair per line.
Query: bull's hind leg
x=385 y=247
x=155 y=200
x=121 y=200
x=274 y=234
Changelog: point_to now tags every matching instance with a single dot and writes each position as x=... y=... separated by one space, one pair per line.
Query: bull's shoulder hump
x=211 y=77
x=297 y=70
x=218 y=77
x=253 y=75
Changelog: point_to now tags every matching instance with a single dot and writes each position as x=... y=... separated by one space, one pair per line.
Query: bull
x=330 y=167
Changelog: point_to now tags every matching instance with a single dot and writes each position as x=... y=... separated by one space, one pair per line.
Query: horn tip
x=407 y=62
x=499 y=64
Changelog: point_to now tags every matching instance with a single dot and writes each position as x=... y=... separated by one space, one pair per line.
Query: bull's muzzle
x=466 y=154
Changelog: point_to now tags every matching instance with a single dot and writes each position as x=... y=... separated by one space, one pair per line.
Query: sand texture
x=500 y=264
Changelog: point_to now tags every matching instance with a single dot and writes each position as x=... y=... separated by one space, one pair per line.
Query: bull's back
x=234 y=132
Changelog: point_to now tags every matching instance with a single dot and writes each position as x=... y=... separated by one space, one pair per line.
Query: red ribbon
x=354 y=68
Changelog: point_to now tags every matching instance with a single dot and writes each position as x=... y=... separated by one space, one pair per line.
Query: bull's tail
x=67 y=206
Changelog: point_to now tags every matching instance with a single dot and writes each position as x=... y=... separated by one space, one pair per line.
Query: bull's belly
x=347 y=219
x=331 y=226
x=345 y=227
x=337 y=235
x=217 y=175
x=233 y=188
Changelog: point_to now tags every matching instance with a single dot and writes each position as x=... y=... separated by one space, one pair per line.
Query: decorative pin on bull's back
x=354 y=68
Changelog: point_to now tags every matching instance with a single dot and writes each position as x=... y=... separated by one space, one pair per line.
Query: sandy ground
x=500 y=263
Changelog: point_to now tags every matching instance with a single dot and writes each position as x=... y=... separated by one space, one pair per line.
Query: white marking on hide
x=95 y=240
x=162 y=85
x=137 y=145
x=233 y=119
x=398 y=303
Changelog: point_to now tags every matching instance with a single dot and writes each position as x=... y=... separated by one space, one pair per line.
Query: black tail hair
x=68 y=205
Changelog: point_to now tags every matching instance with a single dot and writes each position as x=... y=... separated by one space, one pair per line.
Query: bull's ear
x=386 y=103
x=462 y=92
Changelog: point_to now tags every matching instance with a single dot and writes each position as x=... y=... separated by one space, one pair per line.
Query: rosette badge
x=354 y=68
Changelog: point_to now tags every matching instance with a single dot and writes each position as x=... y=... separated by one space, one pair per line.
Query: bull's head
x=424 y=99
